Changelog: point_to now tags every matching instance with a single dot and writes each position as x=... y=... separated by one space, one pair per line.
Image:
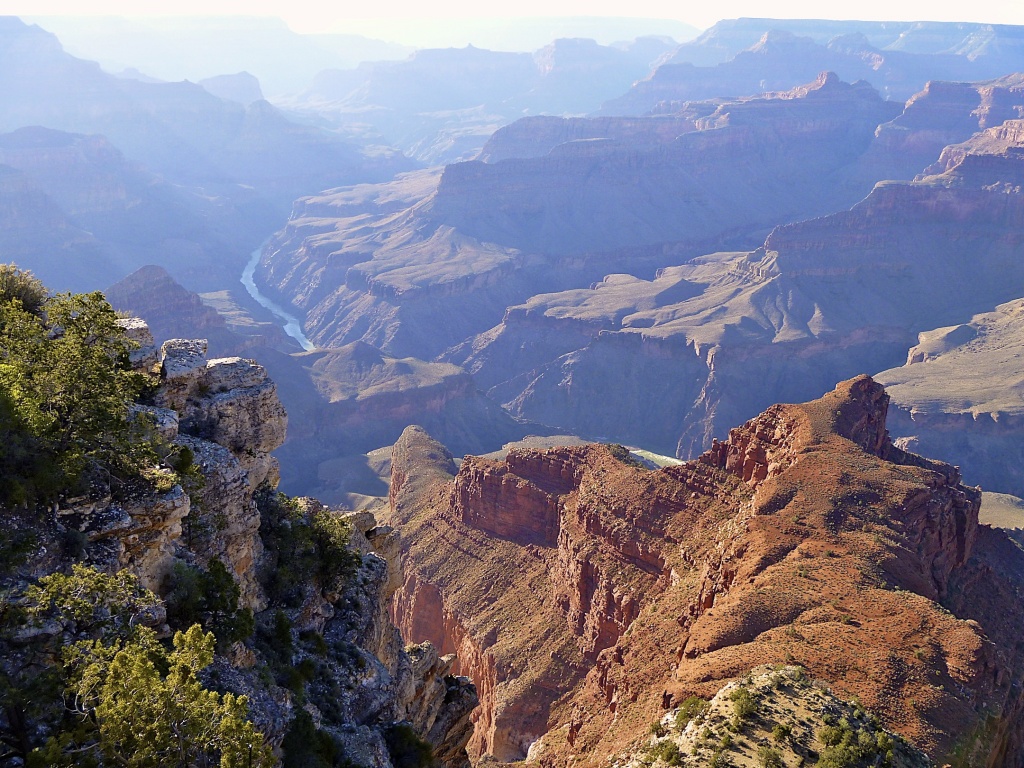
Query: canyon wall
x=598 y=595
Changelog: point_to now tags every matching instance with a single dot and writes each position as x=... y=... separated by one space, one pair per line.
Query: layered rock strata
x=384 y=264
x=807 y=537
x=226 y=415
x=675 y=360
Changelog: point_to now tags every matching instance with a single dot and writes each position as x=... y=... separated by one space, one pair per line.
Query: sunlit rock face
x=588 y=597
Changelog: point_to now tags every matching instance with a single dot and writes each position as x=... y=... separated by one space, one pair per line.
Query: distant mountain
x=177 y=129
x=418 y=265
x=80 y=215
x=515 y=32
x=960 y=395
x=670 y=360
x=624 y=330
x=751 y=56
x=241 y=87
x=196 y=48
x=441 y=105
x=226 y=171
x=728 y=37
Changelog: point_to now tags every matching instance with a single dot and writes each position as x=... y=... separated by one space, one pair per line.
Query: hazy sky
x=326 y=15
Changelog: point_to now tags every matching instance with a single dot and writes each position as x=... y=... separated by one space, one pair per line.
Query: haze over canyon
x=648 y=398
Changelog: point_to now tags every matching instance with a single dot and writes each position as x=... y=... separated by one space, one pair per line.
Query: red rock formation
x=806 y=537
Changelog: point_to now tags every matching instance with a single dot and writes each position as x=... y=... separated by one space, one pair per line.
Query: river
x=291 y=324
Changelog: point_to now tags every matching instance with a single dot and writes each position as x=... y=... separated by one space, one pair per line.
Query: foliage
x=90 y=604
x=209 y=598
x=407 y=750
x=127 y=700
x=65 y=389
x=22 y=286
x=848 y=744
x=146 y=717
x=621 y=453
x=768 y=757
x=744 y=703
x=303 y=548
x=691 y=708
x=200 y=524
x=306 y=747
x=667 y=751
x=85 y=606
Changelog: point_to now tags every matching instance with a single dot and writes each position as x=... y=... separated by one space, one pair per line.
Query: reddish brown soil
x=586 y=597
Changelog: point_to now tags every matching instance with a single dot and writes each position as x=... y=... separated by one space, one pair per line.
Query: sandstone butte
x=586 y=597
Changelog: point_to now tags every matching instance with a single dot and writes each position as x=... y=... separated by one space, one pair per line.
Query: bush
x=302 y=548
x=744 y=703
x=306 y=747
x=406 y=748
x=20 y=285
x=65 y=389
x=768 y=757
x=691 y=708
x=621 y=453
x=667 y=751
x=209 y=598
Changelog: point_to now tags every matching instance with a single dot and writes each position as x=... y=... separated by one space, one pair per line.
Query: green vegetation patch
x=65 y=389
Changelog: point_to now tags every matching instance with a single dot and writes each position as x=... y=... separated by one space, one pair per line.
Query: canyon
x=506 y=266
x=541 y=290
x=807 y=537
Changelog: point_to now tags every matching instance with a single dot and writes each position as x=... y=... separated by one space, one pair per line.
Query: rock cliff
x=958 y=397
x=217 y=422
x=805 y=538
x=418 y=265
x=672 y=359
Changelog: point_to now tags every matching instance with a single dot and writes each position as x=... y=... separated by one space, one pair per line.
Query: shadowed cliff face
x=592 y=596
x=382 y=264
x=673 y=361
x=958 y=397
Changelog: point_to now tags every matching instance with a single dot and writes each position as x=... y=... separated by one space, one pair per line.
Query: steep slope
x=132 y=216
x=343 y=402
x=587 y=597
x=959 y=397
x=413 y=268
x=214 y=524
x=710 y=343
x=179 y=130
x=34 y=224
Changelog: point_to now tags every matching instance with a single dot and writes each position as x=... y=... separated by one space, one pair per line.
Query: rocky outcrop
x=807 y=537
x=517 y=500
x=369 y=691
x=377 y=680
x=226 y=413
x=229 y=401
x=785 y=716
x=957 y=397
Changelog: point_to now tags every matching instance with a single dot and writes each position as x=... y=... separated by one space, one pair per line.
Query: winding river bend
x=291 y=324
